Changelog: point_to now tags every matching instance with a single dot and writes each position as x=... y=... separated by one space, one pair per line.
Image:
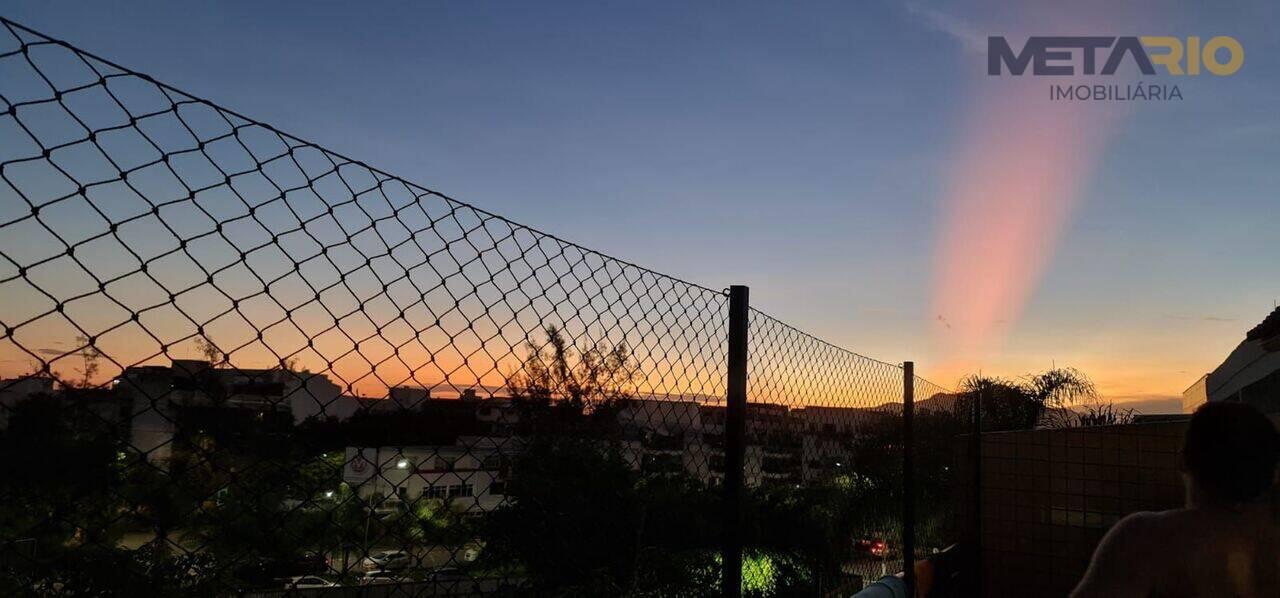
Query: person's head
x=1230 y=452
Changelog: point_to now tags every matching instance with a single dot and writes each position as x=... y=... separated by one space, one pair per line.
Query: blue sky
x=800 y=149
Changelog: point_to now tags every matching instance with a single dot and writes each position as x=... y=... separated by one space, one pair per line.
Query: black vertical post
x=908 y=478
x=735 y=429
x=975 y=453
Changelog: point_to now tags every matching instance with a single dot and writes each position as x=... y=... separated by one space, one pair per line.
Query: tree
x=581 y=520
x=597 y=380
x=1104 y=414
x=573 y=520
x=160 y=501
x=211 y=352
x=1039 y=399
x=1059 y=390
x=112 y=571
x=91 y=356
x=60 y=474
x=573 y=495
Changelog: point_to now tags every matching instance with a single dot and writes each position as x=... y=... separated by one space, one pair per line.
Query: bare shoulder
x=1143 y=530
x=1142 y=527
x=1121 y=564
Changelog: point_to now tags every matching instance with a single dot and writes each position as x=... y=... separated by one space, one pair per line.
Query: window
x=434 y=491
x=456 y=490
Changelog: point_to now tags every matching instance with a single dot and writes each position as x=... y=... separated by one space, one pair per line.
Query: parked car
x=875 y=548
x=305 y=582
x=388 y=560
x=375 y=578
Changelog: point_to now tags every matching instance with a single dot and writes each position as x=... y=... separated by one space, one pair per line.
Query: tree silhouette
x=582 y=520
x=1104 y=414
x=60 y=477
x=211 y=352
x=557 y=386
x=1043 y=399
x=90 y=356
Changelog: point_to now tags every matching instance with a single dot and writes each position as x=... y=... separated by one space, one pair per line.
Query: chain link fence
x=234 y=361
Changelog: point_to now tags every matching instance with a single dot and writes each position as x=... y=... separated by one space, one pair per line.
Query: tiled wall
x=1048 y=496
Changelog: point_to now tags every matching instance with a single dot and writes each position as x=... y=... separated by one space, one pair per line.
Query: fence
x=236 y=361
x=1045 y=497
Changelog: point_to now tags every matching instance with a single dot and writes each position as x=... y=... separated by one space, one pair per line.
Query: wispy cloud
x=1201 y=318
x=962 y=31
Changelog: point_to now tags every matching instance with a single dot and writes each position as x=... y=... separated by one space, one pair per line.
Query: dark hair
x=1231 y=451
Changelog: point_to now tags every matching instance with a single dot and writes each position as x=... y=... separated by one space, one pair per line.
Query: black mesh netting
x=234 y=361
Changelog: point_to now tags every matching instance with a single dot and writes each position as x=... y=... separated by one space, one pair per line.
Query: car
x=872 y=548
x=377 y=578
x=387 y=560
x=303 y=582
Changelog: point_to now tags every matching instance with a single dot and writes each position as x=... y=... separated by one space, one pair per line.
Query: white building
x=157 y=392
x=470 y=474
x=1250 y=374
x=1196 y=395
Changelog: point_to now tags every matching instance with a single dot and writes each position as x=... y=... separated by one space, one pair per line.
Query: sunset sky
x=850 y=161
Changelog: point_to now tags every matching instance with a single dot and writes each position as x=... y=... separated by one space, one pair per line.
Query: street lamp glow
x=402 y=464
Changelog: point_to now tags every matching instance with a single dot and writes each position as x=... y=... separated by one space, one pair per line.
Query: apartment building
x=469 y=474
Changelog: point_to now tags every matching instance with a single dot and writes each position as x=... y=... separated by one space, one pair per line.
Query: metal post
x=735 y=426
x=908 y=478
x=975 y=453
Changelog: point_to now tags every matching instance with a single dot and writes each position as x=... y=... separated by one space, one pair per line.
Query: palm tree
x=1043 y=399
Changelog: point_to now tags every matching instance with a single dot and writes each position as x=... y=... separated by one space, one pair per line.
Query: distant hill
x=939 y=403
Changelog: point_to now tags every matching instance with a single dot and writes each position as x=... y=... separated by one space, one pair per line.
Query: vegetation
x=248 y=488
x=1045 y=399
x=240 y=491
x=583 y=520
x=1104 y=414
